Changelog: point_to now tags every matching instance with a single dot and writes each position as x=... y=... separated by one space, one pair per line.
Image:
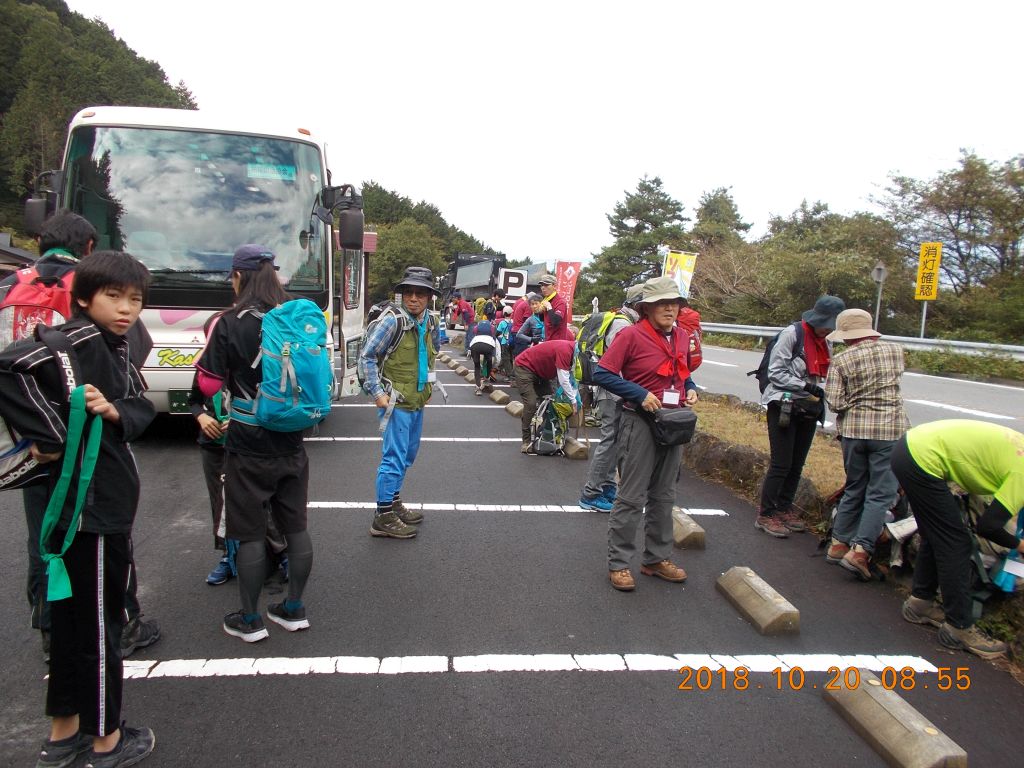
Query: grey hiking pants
x=647 y=479
x=602 y=465
x=871 y=488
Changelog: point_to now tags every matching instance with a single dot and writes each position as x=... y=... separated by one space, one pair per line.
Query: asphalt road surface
x=493 y=638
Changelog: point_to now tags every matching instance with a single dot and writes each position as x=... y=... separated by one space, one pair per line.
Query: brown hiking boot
x=792 y=520
x=622 y=580
x=406 y=515
x=666 y=570
x=971 y=639
x=919 y=611
x=772 y=526
x=390 y=525
x=857 y=561
x=836 y=551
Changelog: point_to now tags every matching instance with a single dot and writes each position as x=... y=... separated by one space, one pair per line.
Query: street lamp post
x=878 y=274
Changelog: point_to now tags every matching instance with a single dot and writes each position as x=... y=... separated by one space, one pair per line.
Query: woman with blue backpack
x=262 y=466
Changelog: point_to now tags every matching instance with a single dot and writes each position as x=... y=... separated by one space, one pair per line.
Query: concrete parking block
x=685 y=532
x=499 y=397
x=574 y=449
x=470 y=377
x=453 y=364
x=762 y=606
x=895 y=730
x=515 y=408
x=443 y=357
x=462 y=370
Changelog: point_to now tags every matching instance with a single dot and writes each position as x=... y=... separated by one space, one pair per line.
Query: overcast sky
x=524 y=123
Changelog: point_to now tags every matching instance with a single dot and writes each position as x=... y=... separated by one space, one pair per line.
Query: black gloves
x=814 y=389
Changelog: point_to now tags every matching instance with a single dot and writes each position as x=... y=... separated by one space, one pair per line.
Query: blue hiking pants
x=401 y=444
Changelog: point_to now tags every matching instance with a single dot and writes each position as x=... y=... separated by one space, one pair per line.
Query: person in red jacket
x=534 y=371
x=556 y=314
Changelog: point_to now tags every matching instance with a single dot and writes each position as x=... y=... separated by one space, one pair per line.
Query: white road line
x=138 y=669
x=962 y=381
x=723 y=365
x=447 y=507
x=958 y=409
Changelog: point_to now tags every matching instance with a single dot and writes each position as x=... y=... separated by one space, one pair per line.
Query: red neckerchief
x=675 y=361
x=815 y=352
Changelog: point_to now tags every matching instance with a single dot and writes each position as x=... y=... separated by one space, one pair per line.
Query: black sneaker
x=293 y=621
x=252 y=632
x=138 y=634
x=63 y=753
x=391 y=525
x=135 y=745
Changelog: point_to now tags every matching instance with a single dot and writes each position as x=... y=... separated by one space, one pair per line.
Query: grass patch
x=942 y=363
x=743 y=425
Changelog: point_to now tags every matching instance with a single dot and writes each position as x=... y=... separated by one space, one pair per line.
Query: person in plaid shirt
x=863 y=389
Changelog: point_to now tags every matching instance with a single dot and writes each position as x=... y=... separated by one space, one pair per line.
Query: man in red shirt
x=646 y=367
x=556 y=314
x=534 y=371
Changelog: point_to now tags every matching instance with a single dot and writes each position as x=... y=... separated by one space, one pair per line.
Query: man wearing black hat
x=397 y=368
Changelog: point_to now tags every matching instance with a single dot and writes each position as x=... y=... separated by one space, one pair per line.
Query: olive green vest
x=402 y=369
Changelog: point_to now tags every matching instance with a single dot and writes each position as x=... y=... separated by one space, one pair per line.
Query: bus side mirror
x=349 y=206
x=35 y=215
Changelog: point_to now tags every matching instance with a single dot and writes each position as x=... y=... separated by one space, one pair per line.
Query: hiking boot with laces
x=919 y=611
x=390 y=525
x=836 y=551
x=792 y=520
x=63 y=753
x=406 y=515
x=135 y=745
x=622 y=580
x=972 y=640
x=138 y=634
x=666 y=570
x=857 y=561
x=772 y=526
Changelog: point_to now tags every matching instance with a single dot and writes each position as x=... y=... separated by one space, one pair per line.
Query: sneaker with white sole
x=135 y=745
x=597 y=504
x=251 y=632
x=64 y=752
x=293 y=620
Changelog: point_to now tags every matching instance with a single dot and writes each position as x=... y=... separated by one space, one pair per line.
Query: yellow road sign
x=928 y=272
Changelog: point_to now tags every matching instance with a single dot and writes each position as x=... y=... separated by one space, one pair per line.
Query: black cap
x=417 y=277
x=250 y=257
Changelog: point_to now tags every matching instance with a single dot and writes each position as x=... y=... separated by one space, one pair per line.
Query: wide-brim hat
x=659 y=289
x=852 y=324
x=417 y=277
x=633 y=294
x=824 y=312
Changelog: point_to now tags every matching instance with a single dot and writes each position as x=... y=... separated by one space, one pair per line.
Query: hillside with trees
x=54 y=62
x=976 y=209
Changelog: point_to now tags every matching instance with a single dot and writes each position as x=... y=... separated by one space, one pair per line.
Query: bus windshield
x=182 y=201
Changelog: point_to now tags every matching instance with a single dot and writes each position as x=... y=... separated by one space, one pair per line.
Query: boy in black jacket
x=86 y=673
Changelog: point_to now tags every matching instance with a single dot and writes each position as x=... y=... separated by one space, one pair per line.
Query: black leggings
x=944 y=560
x=483 y=355
x=789 y=447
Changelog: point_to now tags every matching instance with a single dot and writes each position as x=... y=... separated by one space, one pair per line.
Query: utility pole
x=878 y=274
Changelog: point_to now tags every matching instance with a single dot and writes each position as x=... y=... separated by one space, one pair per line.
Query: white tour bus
x=180 y=190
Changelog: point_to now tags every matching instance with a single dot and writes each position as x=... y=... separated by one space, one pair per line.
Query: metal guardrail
x=946 y=345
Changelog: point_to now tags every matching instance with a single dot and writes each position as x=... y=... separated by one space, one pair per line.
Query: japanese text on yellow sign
x=928 y=272
x=679 y=265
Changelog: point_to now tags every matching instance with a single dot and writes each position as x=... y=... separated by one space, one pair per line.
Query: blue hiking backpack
x=298 y=372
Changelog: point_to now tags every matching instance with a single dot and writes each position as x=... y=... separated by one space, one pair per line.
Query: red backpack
x=34 y=300
x=689 y=321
